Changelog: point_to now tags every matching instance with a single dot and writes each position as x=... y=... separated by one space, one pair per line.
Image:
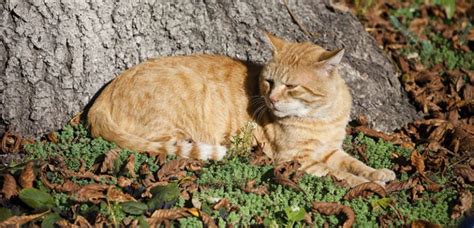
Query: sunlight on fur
x=191 y=106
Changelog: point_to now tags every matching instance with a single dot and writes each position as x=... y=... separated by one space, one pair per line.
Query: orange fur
x=191 y=106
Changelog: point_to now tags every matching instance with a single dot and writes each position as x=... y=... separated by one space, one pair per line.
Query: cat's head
x=301 y=78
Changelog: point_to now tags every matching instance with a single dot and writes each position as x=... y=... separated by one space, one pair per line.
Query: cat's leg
x=320 y=169
x=343 y=161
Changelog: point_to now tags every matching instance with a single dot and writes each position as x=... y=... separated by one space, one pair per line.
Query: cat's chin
x=281 y=114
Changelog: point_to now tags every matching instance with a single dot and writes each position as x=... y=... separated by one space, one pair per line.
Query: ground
x=69 y=178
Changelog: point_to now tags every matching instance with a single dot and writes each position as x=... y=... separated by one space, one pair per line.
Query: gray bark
x=55 y=55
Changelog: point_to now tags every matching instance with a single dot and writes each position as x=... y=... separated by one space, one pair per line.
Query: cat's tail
x=102 y=125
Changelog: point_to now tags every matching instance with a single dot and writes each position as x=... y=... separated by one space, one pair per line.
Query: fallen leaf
x=176 y=168
x=17 y=221
x=108 y=164
x=396 y=186
x=362 y=189
x=9 y=186
x=66 y=186
x=130 y=166
x=403 y=65
x=465 y=172
x=259 y=190
x=464 y=203
x=334 y=209
x=287 y=174
x=52 y=137
x=225 y=203
x=115 y=195
x=76 y=119
x=124 y=182
x=81 y=222
x=91 y=193
x=27 y=176
x=424 y=224
x=11 y=143
x=258 y=157
x=160 y=216
x=418 y=161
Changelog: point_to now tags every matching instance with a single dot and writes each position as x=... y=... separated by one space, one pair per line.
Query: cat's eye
x=289 y=86
x=269 y=81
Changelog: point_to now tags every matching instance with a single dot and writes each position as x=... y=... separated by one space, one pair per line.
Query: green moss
x=378 y=152
x=436 y=49
x=74 y=144
x=433 y=207
x=225 y=179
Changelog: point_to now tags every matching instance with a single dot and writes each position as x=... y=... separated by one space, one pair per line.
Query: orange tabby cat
x=190 y=106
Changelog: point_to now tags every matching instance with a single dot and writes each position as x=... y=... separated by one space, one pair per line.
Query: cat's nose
x=273 y=99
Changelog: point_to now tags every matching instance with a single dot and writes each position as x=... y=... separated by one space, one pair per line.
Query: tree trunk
x=56 y=55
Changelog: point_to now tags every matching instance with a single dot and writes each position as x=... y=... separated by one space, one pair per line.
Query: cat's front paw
x=382 y=175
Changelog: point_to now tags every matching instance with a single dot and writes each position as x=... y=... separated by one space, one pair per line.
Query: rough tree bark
x=55 y=55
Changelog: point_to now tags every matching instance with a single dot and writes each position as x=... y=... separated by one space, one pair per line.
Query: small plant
x=241 y=143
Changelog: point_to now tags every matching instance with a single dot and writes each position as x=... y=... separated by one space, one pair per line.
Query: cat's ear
x=330 y=59
x=277 y=43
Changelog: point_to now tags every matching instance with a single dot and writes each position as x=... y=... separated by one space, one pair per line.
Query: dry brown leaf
x=373 y=133
x=464 y=204
x=404 y=64
x=418 y=25
x=334 y=209
x=27 y=176
x=418 y=161
x=67 y=186
x=130 y=166
x=175 y=168
x=63 y=223
x=465 y=171
x=466 y=139
x=81 y=222
x=115 y=195
x=11 y=143
x=124 y=182
x=258 y=157
x=416 y=190
x=91 y=193
x=223 y=203
x=160 y=216
x=86 y=174
x=144 y=170
x=396 y=186
x=361 y=189
x=110 y=157
x=287 y=174
x=9 y=186
x=52 y=137
x=308 y=219
x=424 y=224
x=17 y=221
x=259 y=190
x=76 y=119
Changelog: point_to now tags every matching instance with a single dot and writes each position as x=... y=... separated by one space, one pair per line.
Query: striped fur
x=190 y=106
